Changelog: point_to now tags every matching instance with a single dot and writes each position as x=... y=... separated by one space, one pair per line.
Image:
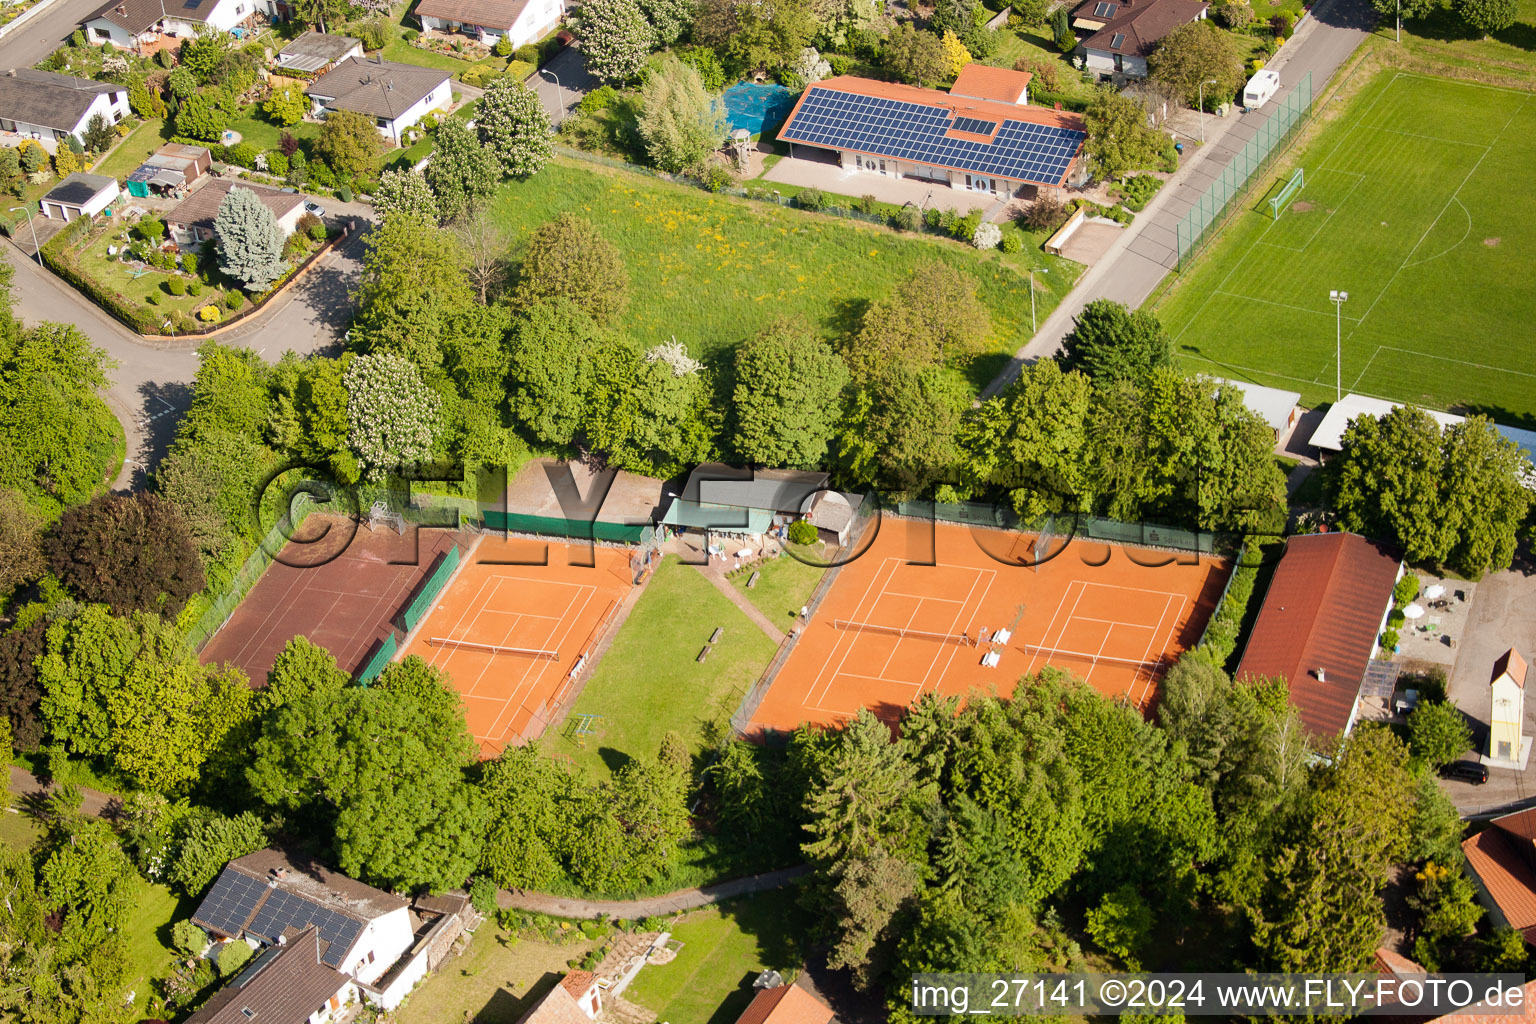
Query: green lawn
x=263 y=134
x=723 y=949
x=649 y=683
x=132 y=151
x=148 y=934
x=18 y=829
x=783 y=587
x=121 y=278
x=496 y=981
x=1408 y=206
x=712 y=270
x=404 y=53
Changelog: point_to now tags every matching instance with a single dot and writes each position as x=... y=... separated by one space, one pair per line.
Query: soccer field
x=1418 y=203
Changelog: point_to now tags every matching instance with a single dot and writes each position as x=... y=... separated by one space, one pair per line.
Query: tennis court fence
x=381 y=657
x=1064 y=526
x=447 y=563
x=1214 y=207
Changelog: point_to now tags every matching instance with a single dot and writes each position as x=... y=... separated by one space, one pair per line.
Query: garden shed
x=79 y=195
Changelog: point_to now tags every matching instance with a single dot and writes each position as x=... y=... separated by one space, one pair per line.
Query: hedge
x=1226 y=625
x=59 y=256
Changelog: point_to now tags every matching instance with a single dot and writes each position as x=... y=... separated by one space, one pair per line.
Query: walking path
x=671 y=903
x=723 y=585
x=28 y=788
x=1144 y=254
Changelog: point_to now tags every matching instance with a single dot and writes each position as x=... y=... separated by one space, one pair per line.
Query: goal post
x=1296 y=184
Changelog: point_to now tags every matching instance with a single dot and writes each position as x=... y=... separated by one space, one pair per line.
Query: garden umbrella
x=1413 y=611
x=1435 y=591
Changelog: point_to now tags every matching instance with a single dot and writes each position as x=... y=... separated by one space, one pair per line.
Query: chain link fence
x=1215 y=207
x=218 y=613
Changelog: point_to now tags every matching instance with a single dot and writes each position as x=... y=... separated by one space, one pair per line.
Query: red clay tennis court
x=337 y=584
x=512 y=637
x=889 y=631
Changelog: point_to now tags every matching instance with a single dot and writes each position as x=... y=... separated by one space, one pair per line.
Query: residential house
x=1328 y=438
x=972 y=140
x=315 y=53
x=490 y=21
x=266 y=895
x=51 y=107
x=577 y=999
x=396 y=96
x=721 y=499
x=170 y=171
x=1123 y=33
x=79 y=195
x=147 y=25
x=1318 y=629
x=1502 y=861
x=287 y=983
x=1277 y=407
x=785 y=1004
x=191 y=220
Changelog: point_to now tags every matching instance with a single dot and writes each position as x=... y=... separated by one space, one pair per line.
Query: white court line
x=518 y=618
x=1147 y=654
x=570 y=624
x=1282 y=305
x=1461 y=362
x=953 y=647
x=927 y=597
x=534 y=672
x=811 y=700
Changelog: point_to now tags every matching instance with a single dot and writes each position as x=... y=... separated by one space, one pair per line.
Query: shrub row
x=1226 y=625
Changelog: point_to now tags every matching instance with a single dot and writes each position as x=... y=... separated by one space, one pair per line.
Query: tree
x=1119 y=140
x=755 y=36
x=462 y=171
x=404 y=192
x=199 y=117
x=648 y=414
x=1488 y=16
x=380 y=770
x=286 y=105
x=486 y=250
x=250 y=240
x=392 y=415
x=21 y=691
x=57 y=436
x=349 y=142
x=681 y=123
x=99 y=134
x=1438 y=733
x=553 y=350
x=1109 y=342
x=515 y=127
x=21 y=548
x=34 y=159
x=132 y=692
x=957 y=16
x=204 y=53
x=1122 y=924
x=129 y=552
x=787 y=398
x=320 y=13
x=1197 y=52
x=956 y=56
x=615 y=39
x=206 y=841
x=899 y=432
x=529 y=837
x=568 y=258
x=932 y=317
x=669 y=19
x=413 y=277
x=1451 y=498
x=914 y=55
x=1320 y=910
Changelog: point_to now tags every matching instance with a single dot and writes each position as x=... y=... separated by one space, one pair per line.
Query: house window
x=383 y=122
x=1116 y=40
x=239 y=9
x=1119 y=63
x=370 y=956
x=1105 y=10
x=101 y=33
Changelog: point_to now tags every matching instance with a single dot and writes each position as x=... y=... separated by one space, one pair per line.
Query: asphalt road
x=40 y=36
x=574 y=81
x=1139 y=261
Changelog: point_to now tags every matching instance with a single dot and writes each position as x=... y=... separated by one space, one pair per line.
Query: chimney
x=11 y=73
x=1322 y=676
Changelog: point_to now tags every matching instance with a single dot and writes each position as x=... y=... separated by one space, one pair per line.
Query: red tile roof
x=787 y=1004
x=577 y=982
x=1511 y=662
x=1141 y=24
x=1525 y=1012
x=1323 y=609
x=978 y=81
x=498 y=14
x=1501 y=856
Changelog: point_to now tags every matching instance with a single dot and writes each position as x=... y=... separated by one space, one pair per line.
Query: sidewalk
x=717 y=577
x=671 y=903
x=27 y=788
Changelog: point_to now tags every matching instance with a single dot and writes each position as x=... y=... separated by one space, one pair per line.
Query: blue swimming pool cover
x=755 y=107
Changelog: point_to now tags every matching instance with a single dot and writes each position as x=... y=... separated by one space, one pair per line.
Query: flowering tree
x=391 y=415
x=404 y=192
x=615 y=38
x=674 y=354
x=987 y=236
x=514 y=127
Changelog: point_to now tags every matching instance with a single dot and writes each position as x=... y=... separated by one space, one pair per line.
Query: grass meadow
x=783 y=587
x=712 y=270
x=1416 y=205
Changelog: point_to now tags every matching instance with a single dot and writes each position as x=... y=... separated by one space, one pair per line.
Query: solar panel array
x=283 y=910
x=975 y=125
x=914 y=131
x=230 y=902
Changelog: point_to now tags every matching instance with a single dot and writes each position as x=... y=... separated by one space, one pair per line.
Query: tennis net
x=526 y=652
x=902 y=631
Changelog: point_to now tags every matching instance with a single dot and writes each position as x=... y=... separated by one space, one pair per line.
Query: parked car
x=315 y=208
x=1466 y=771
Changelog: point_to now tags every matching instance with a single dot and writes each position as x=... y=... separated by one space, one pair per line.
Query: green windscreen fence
x=558 y=526
x=381 y=657
x=431 y=588
x=1067 y=526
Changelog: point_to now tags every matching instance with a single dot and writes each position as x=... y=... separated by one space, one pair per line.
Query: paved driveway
x=43 y=33
x=570 y=67
x=827 y=175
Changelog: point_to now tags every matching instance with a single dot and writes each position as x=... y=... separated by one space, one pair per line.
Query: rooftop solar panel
x=230 y=902
x=284 y=910
x=1019 y=150
x=975 y=125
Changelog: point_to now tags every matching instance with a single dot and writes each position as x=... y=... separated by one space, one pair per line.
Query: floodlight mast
x=1338 y=299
